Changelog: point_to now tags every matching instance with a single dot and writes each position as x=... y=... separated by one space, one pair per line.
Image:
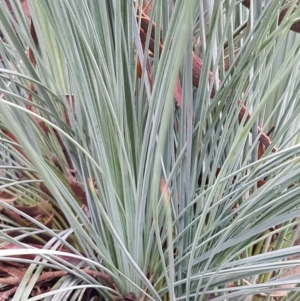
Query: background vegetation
x=149 y=150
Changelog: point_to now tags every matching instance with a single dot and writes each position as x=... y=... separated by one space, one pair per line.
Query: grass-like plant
x=149 y=150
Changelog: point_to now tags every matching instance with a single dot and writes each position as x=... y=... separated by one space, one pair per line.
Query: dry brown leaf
x=77 y=188
x=178 y=93
x=285 y=289
x=5 y=197
x=34 y=211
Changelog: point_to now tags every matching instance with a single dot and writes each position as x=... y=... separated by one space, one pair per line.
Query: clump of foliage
x=149 y=150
